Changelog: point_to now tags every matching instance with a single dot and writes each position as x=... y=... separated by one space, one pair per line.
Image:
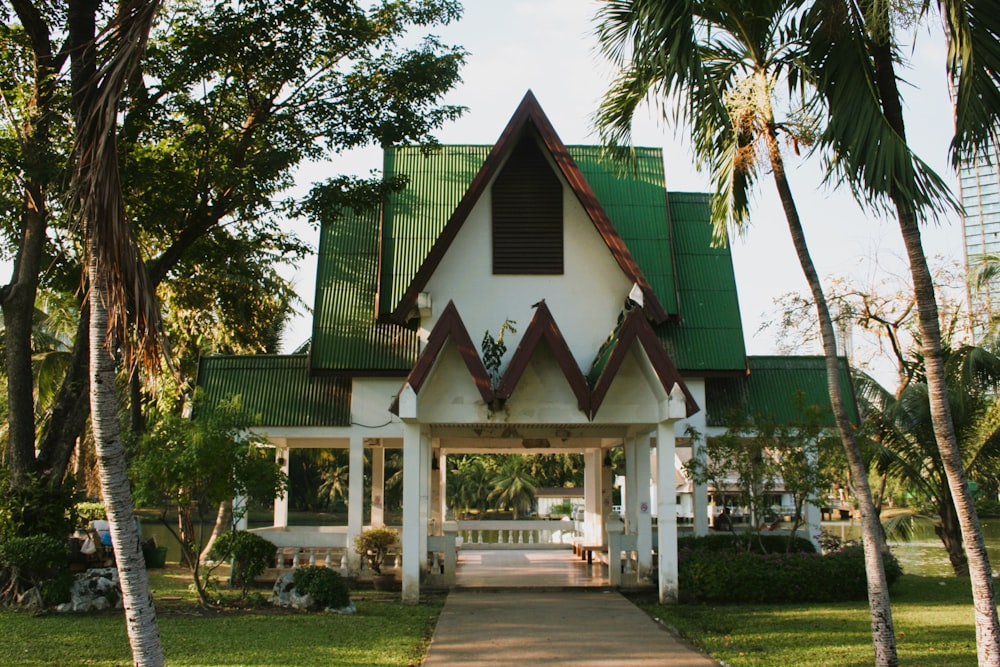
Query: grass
x=383 y=632
x=933 y=619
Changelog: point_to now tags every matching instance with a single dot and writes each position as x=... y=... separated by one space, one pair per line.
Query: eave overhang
x=530 y=117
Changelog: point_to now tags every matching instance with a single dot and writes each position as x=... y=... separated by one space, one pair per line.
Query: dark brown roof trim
x=530 y=112
x=543 y=327
x=449 y=325
x=636 y=328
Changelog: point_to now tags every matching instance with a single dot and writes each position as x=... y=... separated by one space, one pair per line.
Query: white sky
x=548 y=46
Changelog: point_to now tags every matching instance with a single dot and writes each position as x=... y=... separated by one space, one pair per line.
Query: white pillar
x=378 y=486
x=425 y=498
x=607 y=490
x=700 y=495
x=240 y=512
x=644 y=508
x=281 y=503
x=592 y=528
x=410 y=539
x=667 y=513
x=437 y=492
x=629 y=493
x=355 y=501
x=813 y=514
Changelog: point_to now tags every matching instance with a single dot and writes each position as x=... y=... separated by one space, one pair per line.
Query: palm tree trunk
x=883 y=634
x=980 y=573
x=140 y=614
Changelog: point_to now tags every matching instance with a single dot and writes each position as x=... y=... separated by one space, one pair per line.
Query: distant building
x=979 y=183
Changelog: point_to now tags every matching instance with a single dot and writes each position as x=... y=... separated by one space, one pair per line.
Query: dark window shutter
x=527 y=214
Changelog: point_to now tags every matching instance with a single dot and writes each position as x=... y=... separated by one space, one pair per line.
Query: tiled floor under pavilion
x=528 y=568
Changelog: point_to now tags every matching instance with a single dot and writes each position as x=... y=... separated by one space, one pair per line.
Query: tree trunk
x=140 y=614
x=223 y=522
x=980 y=573
x=948 y=529
x=17 y=299
x=883 y=634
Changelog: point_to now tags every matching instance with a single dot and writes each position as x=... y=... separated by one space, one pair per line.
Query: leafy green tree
x=903 y=436
x=196 y=464
x=719 y=64
x=236 y=98
x=469 y=484
x=854 y=54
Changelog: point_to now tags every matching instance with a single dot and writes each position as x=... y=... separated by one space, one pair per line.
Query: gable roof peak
x=529 y=111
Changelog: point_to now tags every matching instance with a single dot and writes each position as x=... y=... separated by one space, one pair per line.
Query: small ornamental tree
x=250 y=553
x=373 y=545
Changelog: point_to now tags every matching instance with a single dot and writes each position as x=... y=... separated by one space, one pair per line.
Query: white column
x=425 y=498
x=813 y=514
x=700 y=496
x=629 y=490
x=378 y=486
x=410 y=539
x=667 y=512
x=240 y=511
x=591 y=496
x=607 y=490
x=644 y=508
x=281 y=503
x=355 y=501
x=437 y=492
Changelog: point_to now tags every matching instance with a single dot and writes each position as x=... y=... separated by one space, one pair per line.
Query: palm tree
x=720 y=63
x=907 y=450
x=853 y=52
x=123 y=311
x=513 y=485
x=469 y=484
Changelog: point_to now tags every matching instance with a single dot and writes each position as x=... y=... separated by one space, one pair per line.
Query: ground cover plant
x=383 y=632
x=933 y=621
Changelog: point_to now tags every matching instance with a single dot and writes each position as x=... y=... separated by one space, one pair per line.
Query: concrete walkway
x=584 y=628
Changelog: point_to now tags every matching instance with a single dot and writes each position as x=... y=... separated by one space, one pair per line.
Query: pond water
x=924 y=555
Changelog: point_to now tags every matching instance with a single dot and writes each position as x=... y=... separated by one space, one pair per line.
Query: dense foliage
x=326 y=586
x=710 y=574
x=250 y=554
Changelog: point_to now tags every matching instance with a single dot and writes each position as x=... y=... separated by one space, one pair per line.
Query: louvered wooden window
x=527 y=214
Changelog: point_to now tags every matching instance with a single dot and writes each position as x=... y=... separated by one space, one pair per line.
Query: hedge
x=741 y=577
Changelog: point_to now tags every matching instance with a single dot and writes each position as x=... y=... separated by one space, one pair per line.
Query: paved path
x=534 y=627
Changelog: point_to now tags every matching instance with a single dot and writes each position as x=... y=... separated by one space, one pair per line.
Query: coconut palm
x=854 y=54
x=720 y=63
x=908 y=452
x=513 y=485
x=123 y=311
x=469 y=484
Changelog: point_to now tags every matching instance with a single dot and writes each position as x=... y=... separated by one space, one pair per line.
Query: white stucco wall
x=585 y=301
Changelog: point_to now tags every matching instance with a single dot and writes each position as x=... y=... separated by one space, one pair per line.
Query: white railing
x=524 y=534
x=299 y=546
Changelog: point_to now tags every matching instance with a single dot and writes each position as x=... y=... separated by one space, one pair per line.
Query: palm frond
x=973 y=31
x=134 y=316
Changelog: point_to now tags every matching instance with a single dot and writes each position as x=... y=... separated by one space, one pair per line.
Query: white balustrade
x=523 y=534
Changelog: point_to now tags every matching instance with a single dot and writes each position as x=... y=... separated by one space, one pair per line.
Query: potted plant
x=373 y=546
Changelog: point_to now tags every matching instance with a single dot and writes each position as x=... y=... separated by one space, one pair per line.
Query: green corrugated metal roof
x=773 y=387
x=414 y=218
x=277 y=388
x=635 y=200
x=709 y=333
x=346 y=333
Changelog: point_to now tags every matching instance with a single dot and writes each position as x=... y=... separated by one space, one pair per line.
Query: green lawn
x=383 y=632
x=933 y=619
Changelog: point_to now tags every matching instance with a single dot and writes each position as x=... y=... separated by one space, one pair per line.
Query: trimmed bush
x=34 y=561
x=326 y=587
x=740 y=577
x=251 y=555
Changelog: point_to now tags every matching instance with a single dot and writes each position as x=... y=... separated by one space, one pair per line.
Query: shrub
x=35 y=508
x=34 y=561
x=326 y=587
x=741 y=577
x=251 y=554
x=745 y=542
x=373 y=545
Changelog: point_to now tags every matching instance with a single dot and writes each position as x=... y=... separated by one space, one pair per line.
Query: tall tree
x=719 y=64
x=236 y=100
x=123 y=307
x=854 y=52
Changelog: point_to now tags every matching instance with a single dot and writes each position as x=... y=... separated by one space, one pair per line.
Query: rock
x=94 y=590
